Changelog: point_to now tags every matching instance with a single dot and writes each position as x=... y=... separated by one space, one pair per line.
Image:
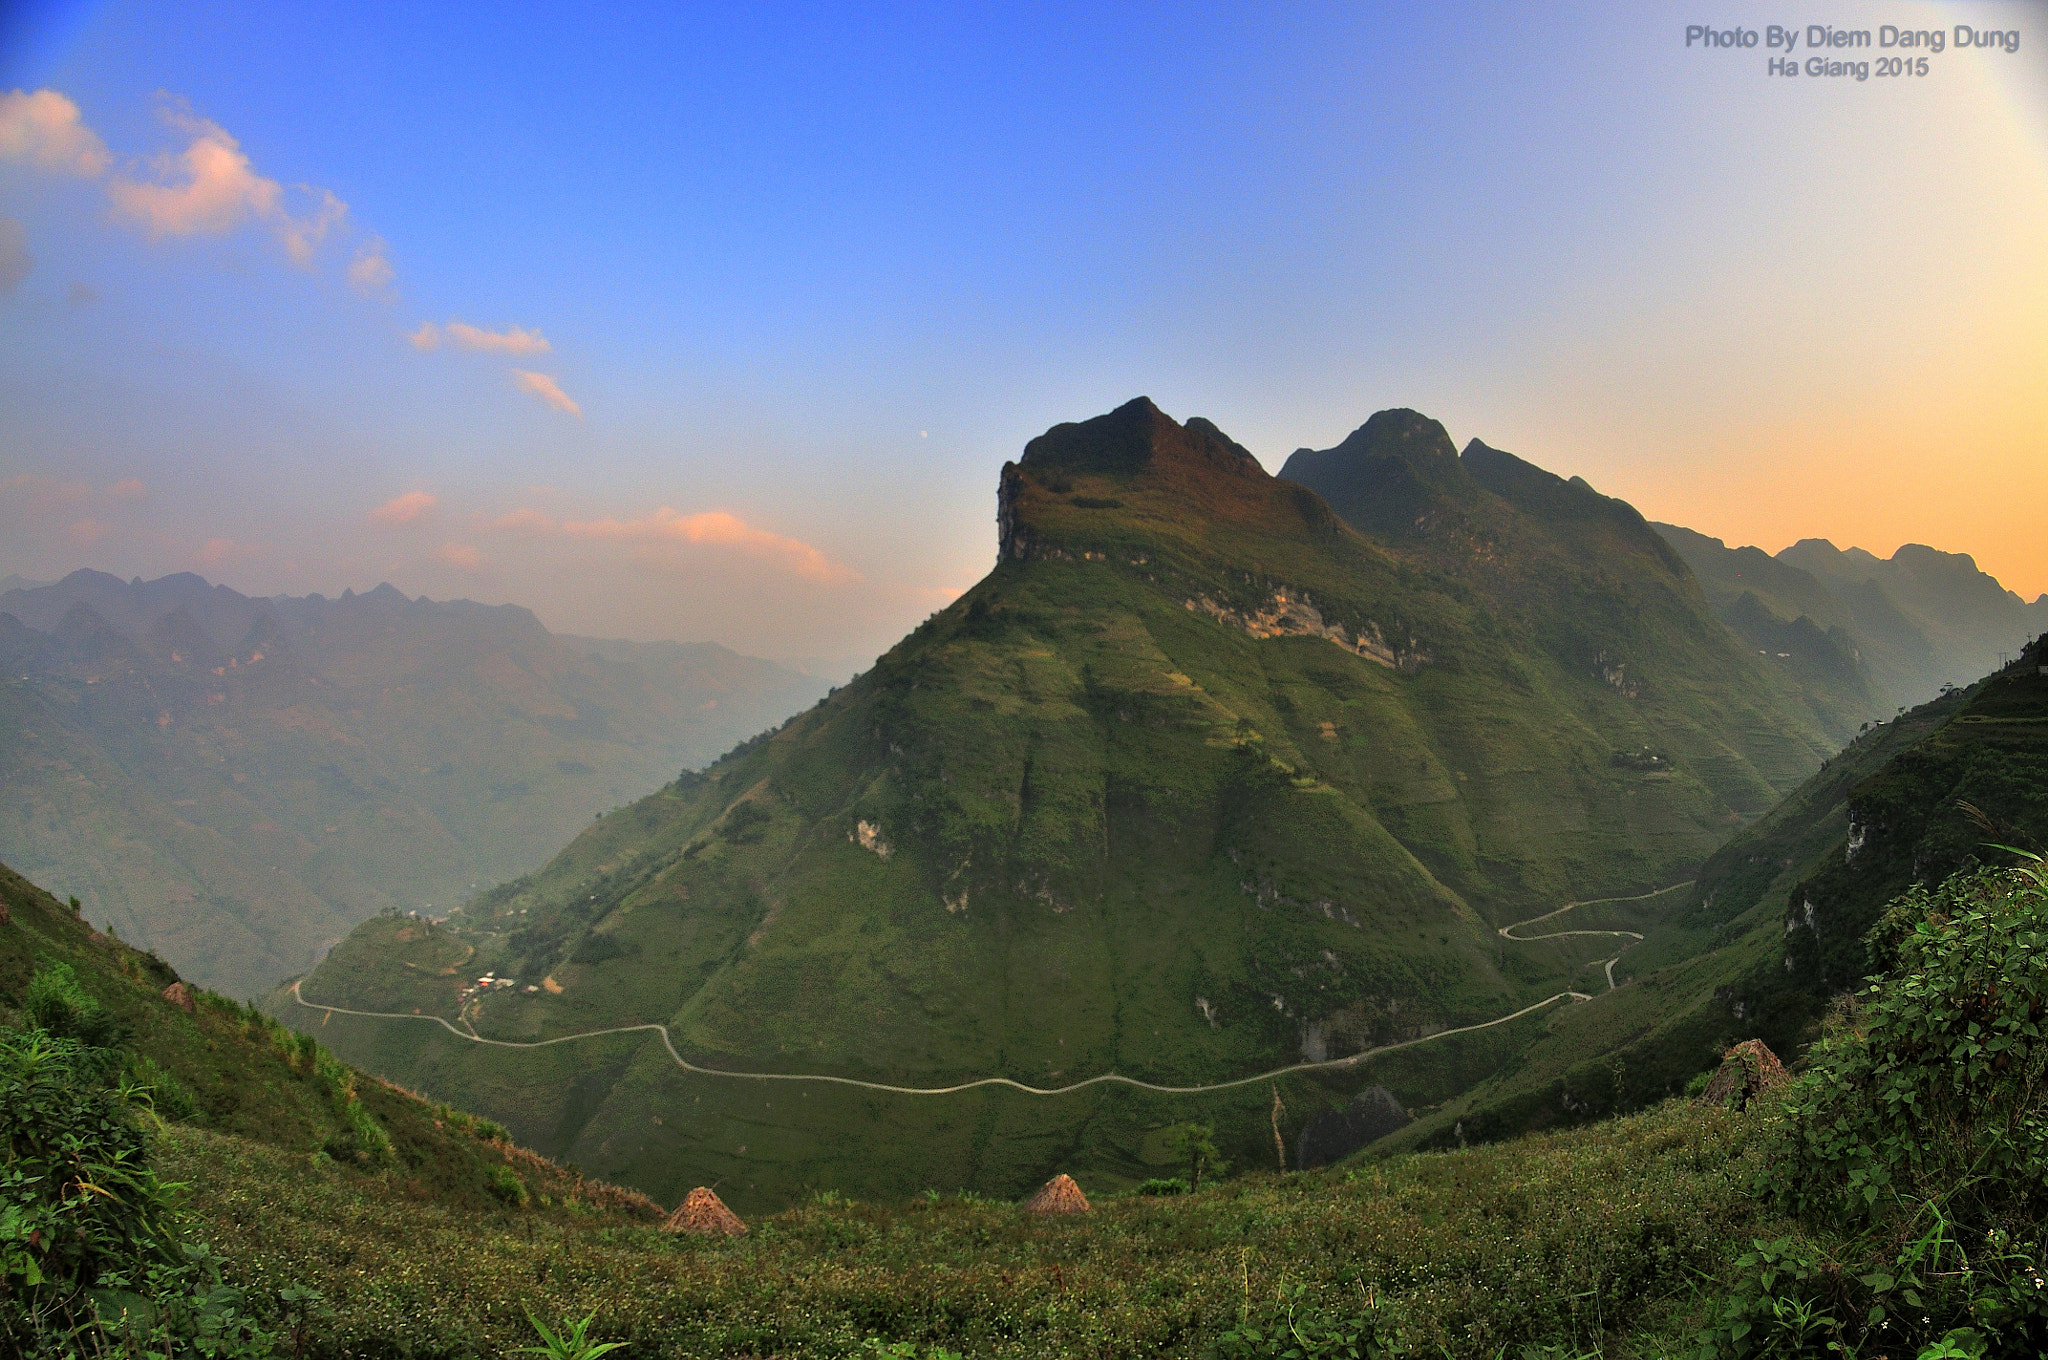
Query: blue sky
x=789 y=284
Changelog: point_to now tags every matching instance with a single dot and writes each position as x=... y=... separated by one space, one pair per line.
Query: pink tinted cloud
x=211 y=188
x=86 y=532
x=44 y=130
x=718 y=529
x=545 y=387
x=370 y=272
x=408 y=508
x=511 y=340
x=128 y=489
x=460 y=555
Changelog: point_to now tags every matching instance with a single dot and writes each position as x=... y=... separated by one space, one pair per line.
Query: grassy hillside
x=237 y=782
x=1775 y=925
x=1198 y=783
x=225 y=1071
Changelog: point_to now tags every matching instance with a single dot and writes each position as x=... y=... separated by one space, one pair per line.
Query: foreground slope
x=1197 y=783
x=239 y=781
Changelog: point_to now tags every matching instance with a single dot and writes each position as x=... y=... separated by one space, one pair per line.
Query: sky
x=718 y=322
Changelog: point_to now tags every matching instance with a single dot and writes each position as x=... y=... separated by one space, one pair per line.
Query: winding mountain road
x=470 y=1035
x=1507 y=932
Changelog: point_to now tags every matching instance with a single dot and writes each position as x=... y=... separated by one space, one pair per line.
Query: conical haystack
x=704 y=1214
x=1747 y=1071
x=1060 y=1196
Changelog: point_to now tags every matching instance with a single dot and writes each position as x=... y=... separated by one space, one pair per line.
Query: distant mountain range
x=1202 y=780
x=237 y=782
x=1906 y=625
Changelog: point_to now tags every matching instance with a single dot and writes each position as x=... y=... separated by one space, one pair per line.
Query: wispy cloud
x=370 y=272
x=427 y=337
x=86 y=532
x=15 y=261
x=544 y=387
x=44 y=130
x=511 y=340
x=720 y=529
x=211 y=188
x=460 y=555
x=128 y=489
x=409 y=508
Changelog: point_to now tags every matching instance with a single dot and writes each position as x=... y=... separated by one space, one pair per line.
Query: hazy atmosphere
x=717 y=323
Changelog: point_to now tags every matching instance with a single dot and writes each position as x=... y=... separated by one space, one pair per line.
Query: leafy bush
x=1299 y=1331
x=1915 y=1149
x=1164 y=1185
x=507 y=1186
x=56 y=1004
x=91 y=1258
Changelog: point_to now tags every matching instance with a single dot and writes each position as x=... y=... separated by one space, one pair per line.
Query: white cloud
x=544 y=387
x=15 y=261
x=44 y=130
x=511 y=340
x=408 y=508
x=720 y=529
x=370 y=272
x=211 y=188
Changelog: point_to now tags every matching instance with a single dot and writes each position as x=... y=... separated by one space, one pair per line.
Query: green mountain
x=1578 y=575
x=1776 y=923
x=1199 y=782
x=237 y=782
x=1906 y=626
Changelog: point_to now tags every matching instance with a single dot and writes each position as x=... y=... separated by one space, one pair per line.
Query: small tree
x=1195 y=1146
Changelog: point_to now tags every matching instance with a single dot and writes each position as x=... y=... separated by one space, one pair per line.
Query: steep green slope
x=1577 y=575
x=1198 y=783
x=237 y=782
x=1776 y=922
x=224 y=1072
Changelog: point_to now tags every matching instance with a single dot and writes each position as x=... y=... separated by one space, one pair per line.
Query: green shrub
x=507 y=1186
x=91 y=1257
x=55 y=1003
x=1914 y=1151
x=1164 y=1185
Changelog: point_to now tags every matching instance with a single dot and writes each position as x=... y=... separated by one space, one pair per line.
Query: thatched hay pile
x=1747 y=1071
x=179 y=995
x=1060 y=1196
x=704 y=1214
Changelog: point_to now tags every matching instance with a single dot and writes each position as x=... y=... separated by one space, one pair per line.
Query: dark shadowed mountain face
x=1198 y=781
x=236 y=782
x=1568 y=571
x=1914 y=622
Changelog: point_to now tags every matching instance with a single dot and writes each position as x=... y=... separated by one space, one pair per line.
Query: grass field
x=1597 y=1238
